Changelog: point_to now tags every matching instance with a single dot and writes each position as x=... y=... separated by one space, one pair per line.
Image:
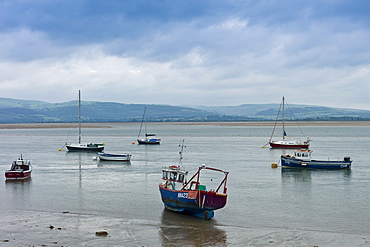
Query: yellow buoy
x=60 y=149
x=274 y=165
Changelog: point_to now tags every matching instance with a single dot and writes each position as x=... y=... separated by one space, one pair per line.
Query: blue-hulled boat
x=192 y=196
x=148 y=138
x=302 y=159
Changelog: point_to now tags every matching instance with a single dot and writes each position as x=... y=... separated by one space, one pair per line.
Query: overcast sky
x=187 y=52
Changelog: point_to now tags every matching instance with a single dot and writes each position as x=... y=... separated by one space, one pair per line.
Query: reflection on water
x=183 y=230
x=102 y=163
x=18 y=184
x=19 y=192
x=295 y=174
x=289 y=174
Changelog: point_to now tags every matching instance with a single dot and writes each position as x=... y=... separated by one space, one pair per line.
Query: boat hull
x=195 y=202
x=149 y=141
x=114 y=157
x=288 y=145
x=289 y=162
x=85 y=147
x=18 y=174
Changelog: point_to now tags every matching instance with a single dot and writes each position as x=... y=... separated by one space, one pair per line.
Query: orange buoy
x=274 y=165
x=132 y=142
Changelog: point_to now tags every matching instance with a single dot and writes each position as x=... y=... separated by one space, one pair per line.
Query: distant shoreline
x=110 y=125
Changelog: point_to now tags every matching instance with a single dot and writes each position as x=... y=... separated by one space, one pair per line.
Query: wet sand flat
x=35 y=228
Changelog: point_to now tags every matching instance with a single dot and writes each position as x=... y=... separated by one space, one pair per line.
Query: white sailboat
x=296 y=143
x=83 y=147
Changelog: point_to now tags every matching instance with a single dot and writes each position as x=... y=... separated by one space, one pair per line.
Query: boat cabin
x=20 y=165
x=173 y=175
x=303 y=154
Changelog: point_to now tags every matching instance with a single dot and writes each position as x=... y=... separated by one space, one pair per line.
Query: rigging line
x=277 y=118
x=295 y=119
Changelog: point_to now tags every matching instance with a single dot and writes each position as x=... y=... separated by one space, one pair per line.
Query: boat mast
x=145 y=124
x=79 y=116
x=181 y=151
x=283 y=120
x=141 y=126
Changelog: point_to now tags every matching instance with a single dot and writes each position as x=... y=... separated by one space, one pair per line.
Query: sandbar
x=110 y=125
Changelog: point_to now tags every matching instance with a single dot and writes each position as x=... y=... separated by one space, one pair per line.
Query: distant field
x=109 y=125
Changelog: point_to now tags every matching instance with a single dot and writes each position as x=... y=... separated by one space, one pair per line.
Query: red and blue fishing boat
x=193 y=196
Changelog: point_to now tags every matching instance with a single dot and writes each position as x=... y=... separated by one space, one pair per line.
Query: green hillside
x=28 y=111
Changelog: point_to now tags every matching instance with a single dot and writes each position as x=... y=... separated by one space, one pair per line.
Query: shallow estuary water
x=266 y=206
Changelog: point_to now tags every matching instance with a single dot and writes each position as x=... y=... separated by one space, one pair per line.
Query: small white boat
x=20 y=169
x=114 y=157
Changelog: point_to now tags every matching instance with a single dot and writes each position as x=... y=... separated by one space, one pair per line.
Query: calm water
x=259 y=196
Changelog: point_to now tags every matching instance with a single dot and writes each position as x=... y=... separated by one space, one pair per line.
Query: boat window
x=165 y=174
x=181 y=178
x=173 y=175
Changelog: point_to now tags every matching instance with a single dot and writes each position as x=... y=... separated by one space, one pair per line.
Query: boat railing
x=195 y=179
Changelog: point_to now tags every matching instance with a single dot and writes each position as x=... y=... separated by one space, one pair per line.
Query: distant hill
x=298 y=112
x=28 y=111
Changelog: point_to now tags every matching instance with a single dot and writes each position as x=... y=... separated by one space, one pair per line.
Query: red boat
x=192 y=196
x=20 y=169
x=296 y=143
